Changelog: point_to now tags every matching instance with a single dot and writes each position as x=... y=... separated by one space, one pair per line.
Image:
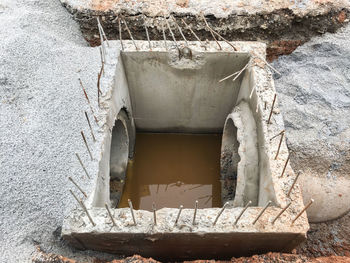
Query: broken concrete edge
x=115 y=98
x=283 y=26
x=217 y=8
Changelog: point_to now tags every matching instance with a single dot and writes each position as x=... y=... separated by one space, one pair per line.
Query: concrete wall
x=173 y=95
x=248 y=93
x=113 y=102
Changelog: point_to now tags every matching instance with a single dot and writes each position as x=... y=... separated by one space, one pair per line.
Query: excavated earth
x=282 y=24
x=44 y=54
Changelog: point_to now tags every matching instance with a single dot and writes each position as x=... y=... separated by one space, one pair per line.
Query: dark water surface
x=173 y=170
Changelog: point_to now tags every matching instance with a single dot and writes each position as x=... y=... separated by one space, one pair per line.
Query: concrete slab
x=257 y=90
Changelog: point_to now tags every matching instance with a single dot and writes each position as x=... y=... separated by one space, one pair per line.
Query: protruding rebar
x=241 y=71
x=82 y=165
x=273 y=105
x=80 y=202
x=132 y=211
x=281 y=212
x=178 y=214
x=211 y=31
x=147 y=35
x=171 y=32
x=279 y=145
x=101 y=39
x=194 y=34
x=267 y=64
x=294 y=182
x=87 y=146
x=261 y=212
x=237 y=73
x=216 y=33
x=75 y=197
x=98 y=87
x=166 y=46
x=302 y=211
x=127 y=28
x=242 y=212
x=120 y=33
x=92 y=133
x=278 y=134
x=179 y=28
x=110 y=214
x=81 y=190
x=87 y=98
x=251 y=93
x=102 y=31
x=221 y=211
x=102 y=62
x=154 y=213
x=87 y=213
x=224 y=39
x=285 y=165
x=195 y=212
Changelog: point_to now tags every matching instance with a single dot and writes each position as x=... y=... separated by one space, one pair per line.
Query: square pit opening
x=180 y=91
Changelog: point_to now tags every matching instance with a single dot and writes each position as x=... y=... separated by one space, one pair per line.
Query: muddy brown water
x=173 y=170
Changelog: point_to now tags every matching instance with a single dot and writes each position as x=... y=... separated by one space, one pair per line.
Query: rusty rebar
x=273 y=104
x=261 y=212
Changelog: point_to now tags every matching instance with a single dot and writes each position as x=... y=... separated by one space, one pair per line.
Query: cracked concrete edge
x=77 y=221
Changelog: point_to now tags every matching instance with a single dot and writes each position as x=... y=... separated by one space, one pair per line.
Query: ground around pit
x=43 y=54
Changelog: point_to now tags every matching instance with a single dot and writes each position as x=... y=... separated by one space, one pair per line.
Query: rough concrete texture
x=42 y=56
x=256 y=88
x=314 y=90
x=283 y=24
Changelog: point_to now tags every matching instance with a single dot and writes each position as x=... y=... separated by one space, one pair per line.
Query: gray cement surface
x=314 y=95
x=41 y=113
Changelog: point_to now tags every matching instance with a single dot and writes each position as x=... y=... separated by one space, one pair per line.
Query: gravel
x=314 y=95
x=41 y=114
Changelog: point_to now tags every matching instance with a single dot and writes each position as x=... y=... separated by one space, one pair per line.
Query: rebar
x=82 y=165
x=273 y=104
x=92 y=133
x=302 y=211
x=221 y=211
x=87 y=146
x=81 y=190
x=294 y=182
x=195 y=212
x=281 y=212
x=279 y=146
x=285 y=166
x=261 y=212
x=127 y=28
x=132 y=211
x=110 y=214
x=242 y=212
x=178 y=215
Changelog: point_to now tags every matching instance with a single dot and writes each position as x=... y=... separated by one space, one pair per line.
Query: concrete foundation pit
x=186 y=89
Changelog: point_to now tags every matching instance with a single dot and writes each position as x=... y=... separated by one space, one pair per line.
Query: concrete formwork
x=243 y=119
